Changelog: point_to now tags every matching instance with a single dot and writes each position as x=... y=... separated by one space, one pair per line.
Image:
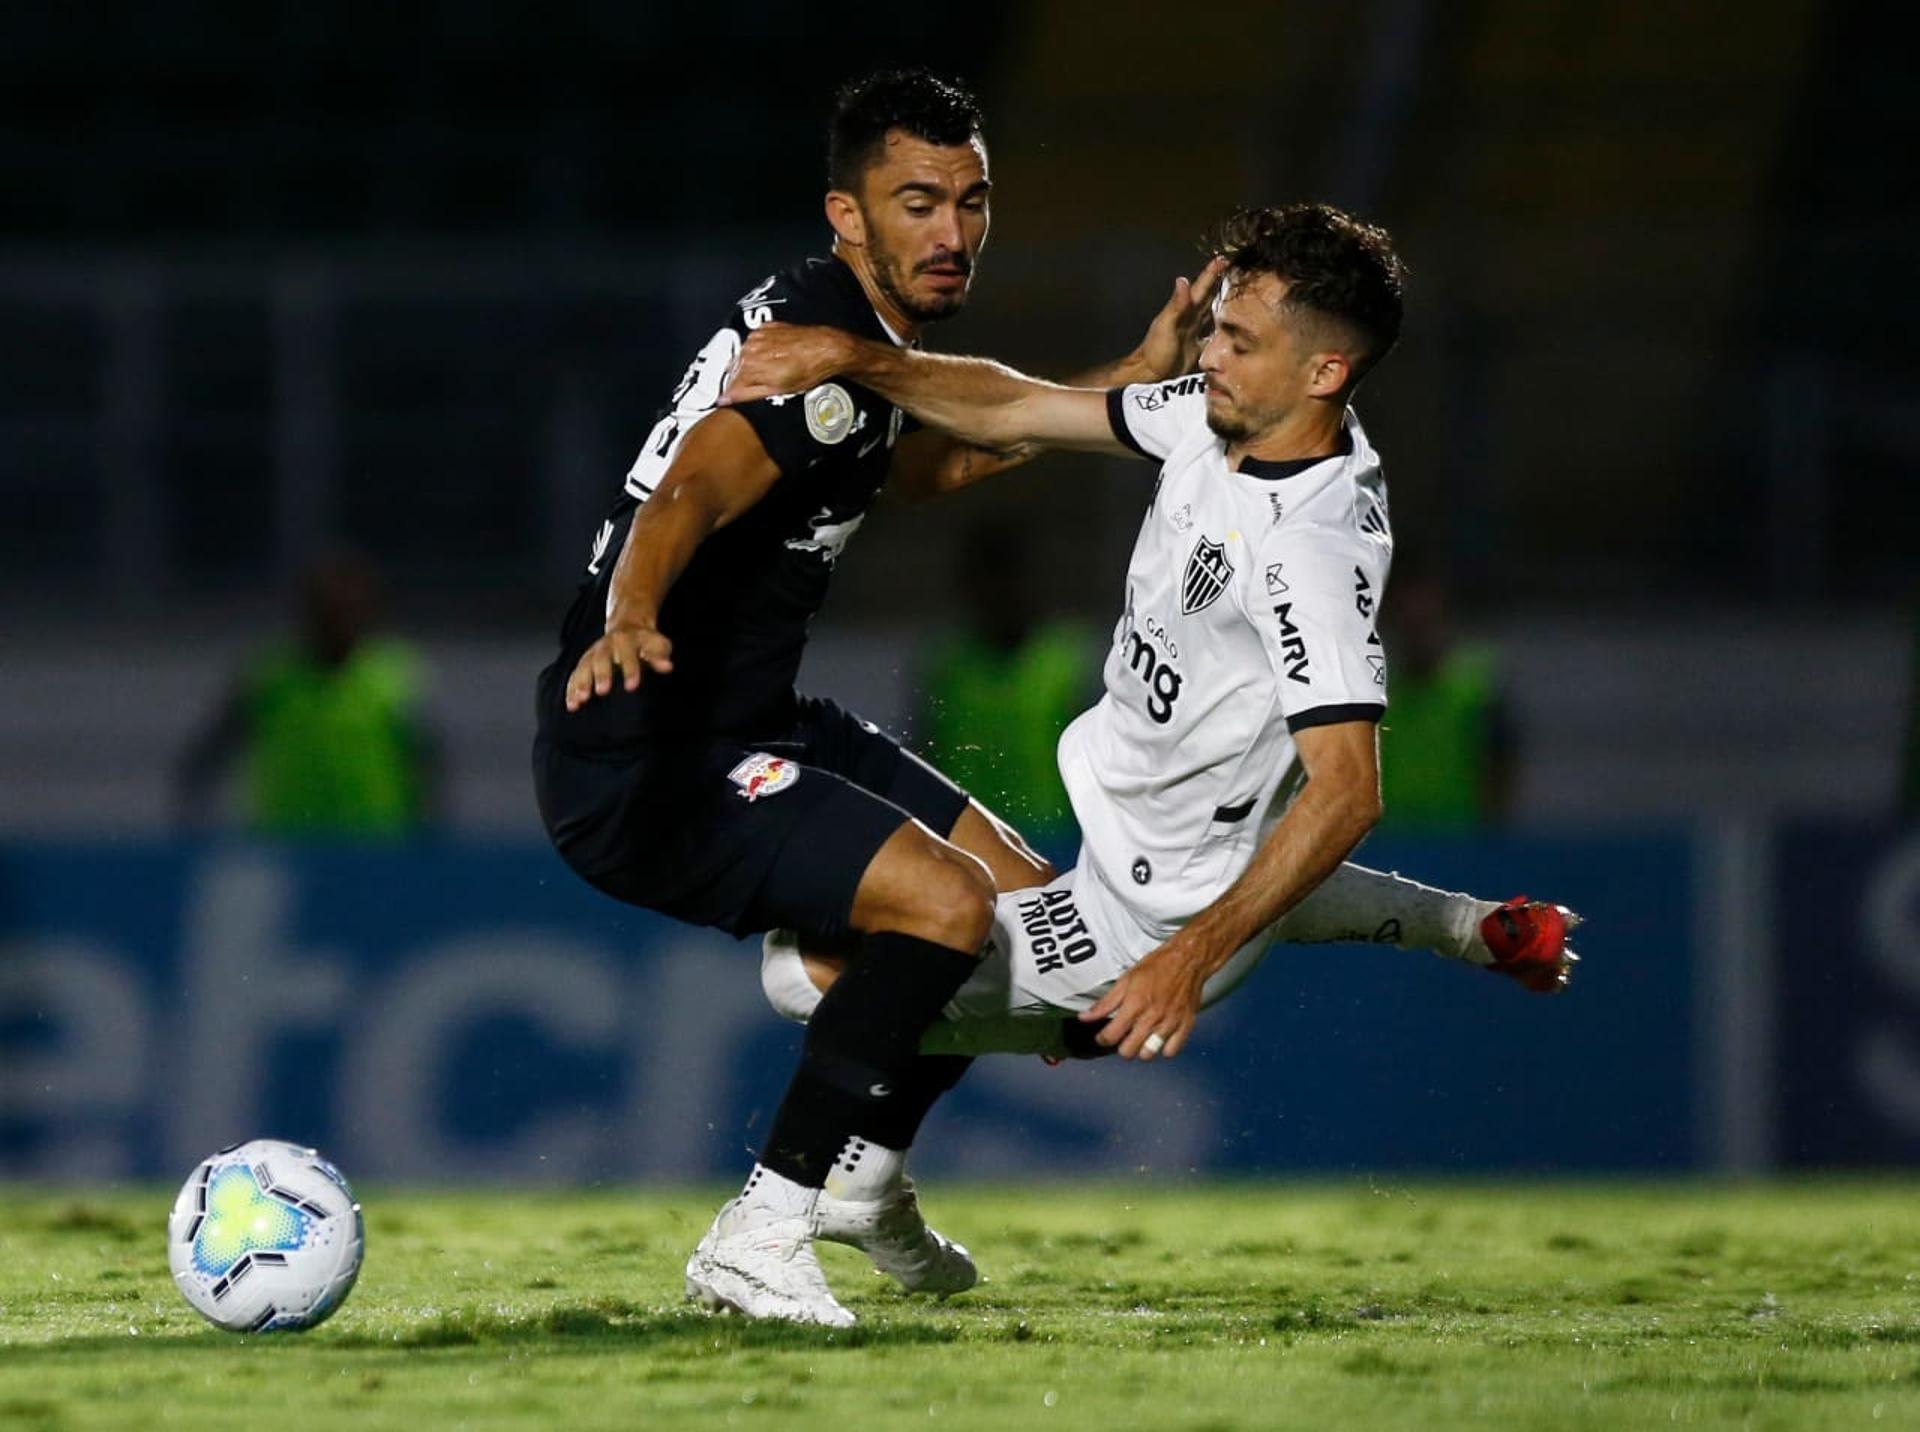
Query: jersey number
x=699 y=390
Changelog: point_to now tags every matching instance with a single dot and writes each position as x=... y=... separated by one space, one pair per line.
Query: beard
x=894 y=280
x=1233 y=426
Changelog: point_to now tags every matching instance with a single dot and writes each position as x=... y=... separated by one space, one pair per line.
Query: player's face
x=1258 y=366
x=925 y=211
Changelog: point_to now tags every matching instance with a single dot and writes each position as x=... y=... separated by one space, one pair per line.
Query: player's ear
x=1331 y=374
x=849 y=223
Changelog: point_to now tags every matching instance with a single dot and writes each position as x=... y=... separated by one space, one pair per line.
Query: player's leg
x=744 y=840
x=917 y=914
x=839 y=741
x=922 y=909
x=1385 y=908
x=1523 y=939
x=869 y=1201
x=793 y=992
x=1015 y=865
x=794 y=975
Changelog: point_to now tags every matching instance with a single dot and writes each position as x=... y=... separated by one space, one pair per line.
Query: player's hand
x=1159 y=996
x=784 y=358
x=1172 y=344
x=625 y=651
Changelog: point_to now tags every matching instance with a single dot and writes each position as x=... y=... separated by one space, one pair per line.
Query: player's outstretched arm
x=1339 y=804
x=720 y=471
x=930 y=463
x=976 y=399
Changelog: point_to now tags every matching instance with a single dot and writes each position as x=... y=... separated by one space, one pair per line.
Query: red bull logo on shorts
x=763 y=775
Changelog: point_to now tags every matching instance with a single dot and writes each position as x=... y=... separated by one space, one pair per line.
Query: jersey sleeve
x=799 y=429
x=796 y=429
x=1315 y=597
x=1151 y=418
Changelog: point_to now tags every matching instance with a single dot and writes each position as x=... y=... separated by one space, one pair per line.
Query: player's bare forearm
x=665 y=533
x=660 y=542
x=1320 y=829
x=720 y=472
x=1152 y=1007
x=930 y=464
x=936 y=464
x=976 y=400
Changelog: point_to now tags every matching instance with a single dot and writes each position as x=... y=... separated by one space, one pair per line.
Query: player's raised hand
x=1172 y=344
x=624 y=651
x=1151 y=1008
x=784 y=358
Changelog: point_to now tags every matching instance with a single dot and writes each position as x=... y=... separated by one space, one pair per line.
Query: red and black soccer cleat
x=1528 y=939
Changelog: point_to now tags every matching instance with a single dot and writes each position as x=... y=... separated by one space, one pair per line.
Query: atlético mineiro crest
x=763 y=775
x=1208 y=572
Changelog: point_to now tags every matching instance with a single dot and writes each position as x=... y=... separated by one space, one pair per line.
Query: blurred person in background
x=1447 y=749
x=997 y=692
x=327 y=725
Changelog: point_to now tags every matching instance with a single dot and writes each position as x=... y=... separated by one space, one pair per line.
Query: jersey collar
x=1268 y=471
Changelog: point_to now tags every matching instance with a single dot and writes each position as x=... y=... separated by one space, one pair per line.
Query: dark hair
x=940 y=111
x=1335 y=266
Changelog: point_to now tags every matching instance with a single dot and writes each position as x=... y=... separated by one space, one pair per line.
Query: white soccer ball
x=265 y=1237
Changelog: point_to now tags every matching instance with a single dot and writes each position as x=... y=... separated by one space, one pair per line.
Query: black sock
x=895 y=1123
x=862 y=1045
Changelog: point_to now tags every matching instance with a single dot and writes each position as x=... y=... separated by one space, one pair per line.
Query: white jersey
x=1250 y=614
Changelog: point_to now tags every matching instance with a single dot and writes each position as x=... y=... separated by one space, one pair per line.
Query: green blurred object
x=1441 y=744
x=334 y=749
x=993 y=716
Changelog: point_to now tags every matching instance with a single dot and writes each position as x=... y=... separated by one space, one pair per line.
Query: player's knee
x=956 y=896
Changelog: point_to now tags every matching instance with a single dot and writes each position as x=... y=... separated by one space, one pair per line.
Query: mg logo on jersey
x=763 y=775
x=1208 y=572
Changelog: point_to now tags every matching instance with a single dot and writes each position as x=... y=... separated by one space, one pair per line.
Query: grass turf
x=1228 y=1306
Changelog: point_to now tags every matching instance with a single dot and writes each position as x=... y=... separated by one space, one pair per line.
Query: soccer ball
x=265 y=1237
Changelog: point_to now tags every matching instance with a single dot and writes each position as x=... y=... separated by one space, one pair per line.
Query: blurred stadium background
x=283 y=280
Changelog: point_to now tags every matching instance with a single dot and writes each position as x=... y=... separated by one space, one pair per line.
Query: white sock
x=1355 y=903
x=865 y=1171
x=784 y=978
x=776 y=1194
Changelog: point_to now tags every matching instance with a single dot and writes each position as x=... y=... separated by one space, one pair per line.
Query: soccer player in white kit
x=1232 y=763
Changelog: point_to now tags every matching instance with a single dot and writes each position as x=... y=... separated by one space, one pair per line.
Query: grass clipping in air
x=1253 y=1305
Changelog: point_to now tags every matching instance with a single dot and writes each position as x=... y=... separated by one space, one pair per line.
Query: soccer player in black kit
x=677 y=768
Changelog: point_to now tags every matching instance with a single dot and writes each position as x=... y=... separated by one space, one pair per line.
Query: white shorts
x=1053 y=952
x=1057 y=949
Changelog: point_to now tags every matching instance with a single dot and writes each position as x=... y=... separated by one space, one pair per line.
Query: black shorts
x=742 y=837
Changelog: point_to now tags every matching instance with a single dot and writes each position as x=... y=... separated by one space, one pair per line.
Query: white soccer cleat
x=760 y=1263
x=891 y=1231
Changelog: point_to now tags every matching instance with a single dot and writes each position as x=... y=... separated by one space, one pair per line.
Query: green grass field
x=1276 y=1305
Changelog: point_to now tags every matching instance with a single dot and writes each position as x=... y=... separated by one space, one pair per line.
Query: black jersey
x=738 y=615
